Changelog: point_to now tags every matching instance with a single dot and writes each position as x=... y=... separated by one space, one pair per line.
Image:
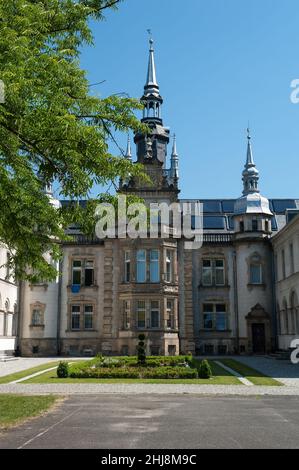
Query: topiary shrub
x=204 y=370
x=63 y=370
x=141 y=350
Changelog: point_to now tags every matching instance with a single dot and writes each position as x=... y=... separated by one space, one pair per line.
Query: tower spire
x=174 y=168
x=250 y=173
x=151 y=98
x=128 y=154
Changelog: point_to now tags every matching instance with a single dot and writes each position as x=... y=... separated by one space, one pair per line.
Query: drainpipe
x=19 y=318
x=236 y=301
x=274 y=303
x=58 y=345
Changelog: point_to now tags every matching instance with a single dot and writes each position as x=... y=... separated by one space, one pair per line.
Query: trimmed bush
x=141 y=350
x=63 y=370
x=204 y=370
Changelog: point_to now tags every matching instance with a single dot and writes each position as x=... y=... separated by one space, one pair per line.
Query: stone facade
x=286 y=256
x=217 y=299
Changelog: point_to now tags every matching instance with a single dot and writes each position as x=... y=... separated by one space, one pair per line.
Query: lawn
x=14 y=409
x=19 y=375
x=256 y=377
x=220 y=377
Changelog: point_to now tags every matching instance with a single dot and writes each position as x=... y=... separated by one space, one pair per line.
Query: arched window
x=7 y=305
x=285 y=317
x=294 y=313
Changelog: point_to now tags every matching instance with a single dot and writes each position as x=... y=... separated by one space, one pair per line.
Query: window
x=242 y=227
x=126 y=317
x=8 y=260
x=267 y=226
x=127 y=266
x=155 y=314
x=88 y=317
x=170 y=314
x=141 y=266
x=283 y=258
x=254 y=225
x=154 y=266
x=89 y=273
x=256 y=273
x=221 y=317
x=215 y=317
x=292 y=263
x=76 y=276
x=208 y=316
x=169 y=265
x=207 y=272
x=213 y=272
x=75 y=317
x=37 y=317
x=140 y=314
x=219 y=272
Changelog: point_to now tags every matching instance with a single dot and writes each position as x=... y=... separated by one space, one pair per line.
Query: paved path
x=157 y=422
x=147 y=389
x=281 y=370
x=23 y=363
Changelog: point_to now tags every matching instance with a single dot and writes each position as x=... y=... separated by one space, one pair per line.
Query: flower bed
x=156 y=367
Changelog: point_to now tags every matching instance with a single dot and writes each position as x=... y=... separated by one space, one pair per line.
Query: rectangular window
x=36 y=317
x=169 y=266
x=221 y=323
x=207 y=272
x=75 y=317
x=88 y=317
x=141 y=314
x=219 y=272
x=76 y=275
x=283 y=264
x=254 y=225
x=8 y=258
x=154 y=266
x=292 y=261
x=208 y=316
x=215 y=317
x=170 y=314
x=141 y=266
x=155 y=314
x=256 y=274
x=127 y=266
x=89 y=273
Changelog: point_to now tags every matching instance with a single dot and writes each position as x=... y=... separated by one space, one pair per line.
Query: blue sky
x=220 y=64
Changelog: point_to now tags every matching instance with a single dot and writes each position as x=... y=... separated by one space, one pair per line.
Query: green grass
x=220 y=377
x=256 y=377
x=19 y=375
x=15 y=409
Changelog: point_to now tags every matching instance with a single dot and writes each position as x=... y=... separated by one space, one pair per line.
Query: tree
x=52 y=128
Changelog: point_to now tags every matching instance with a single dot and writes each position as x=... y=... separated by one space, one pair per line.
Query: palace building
x=237 y=293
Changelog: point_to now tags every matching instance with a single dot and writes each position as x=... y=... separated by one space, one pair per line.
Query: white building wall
x=8 y=306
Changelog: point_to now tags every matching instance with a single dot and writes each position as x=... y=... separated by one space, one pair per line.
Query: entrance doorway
x=258 y=338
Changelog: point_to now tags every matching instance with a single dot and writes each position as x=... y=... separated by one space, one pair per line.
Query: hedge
x=134 y=373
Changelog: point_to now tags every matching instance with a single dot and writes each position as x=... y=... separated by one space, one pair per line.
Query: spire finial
x=174 y=150
x=151 y=80
x=250 y=172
